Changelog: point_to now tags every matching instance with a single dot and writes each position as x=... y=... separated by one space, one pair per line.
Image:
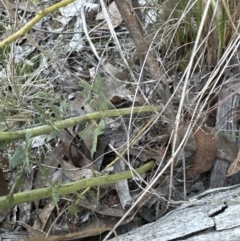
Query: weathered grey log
x=212 y=215
x=229 y=101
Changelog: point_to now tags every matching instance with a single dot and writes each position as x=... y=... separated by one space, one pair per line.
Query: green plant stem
x=41 y=14
x=73 y=187
x=40 y=130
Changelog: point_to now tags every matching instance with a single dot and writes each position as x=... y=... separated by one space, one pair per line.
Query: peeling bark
x=212 y=215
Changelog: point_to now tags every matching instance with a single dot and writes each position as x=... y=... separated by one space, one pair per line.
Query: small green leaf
x=101 y=125
x=72 y=210
x=55 y=195
x=86 y=87
x=97 y=132
x=17 y=157
x=86 y=132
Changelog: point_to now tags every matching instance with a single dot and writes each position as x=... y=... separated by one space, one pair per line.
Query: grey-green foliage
x=54 y=109
x=47 y=114
x=94 y=93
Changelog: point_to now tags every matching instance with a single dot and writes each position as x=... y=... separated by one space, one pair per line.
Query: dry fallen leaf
x=74 y=173
x=115 y=16
x=78 y=155
x=32 y=231
x=235 y=166
x=206 y=152
x=43 y=217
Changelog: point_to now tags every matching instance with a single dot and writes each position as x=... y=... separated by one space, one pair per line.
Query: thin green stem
x=73 y=187
x=58 y=125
